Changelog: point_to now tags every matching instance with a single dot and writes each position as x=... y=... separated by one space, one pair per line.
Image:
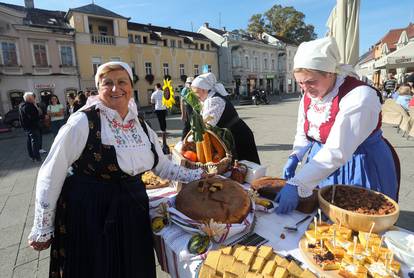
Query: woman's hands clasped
x=39 y=246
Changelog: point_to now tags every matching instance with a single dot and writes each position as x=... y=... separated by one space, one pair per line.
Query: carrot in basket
x=207 y=147
x=200 y=152
x=217 y=146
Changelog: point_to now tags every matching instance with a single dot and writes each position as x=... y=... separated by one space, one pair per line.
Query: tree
x=282 y=21
x=256 y=24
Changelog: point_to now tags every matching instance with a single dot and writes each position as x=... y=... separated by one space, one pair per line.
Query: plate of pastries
x=250 y=262
x=333 y=250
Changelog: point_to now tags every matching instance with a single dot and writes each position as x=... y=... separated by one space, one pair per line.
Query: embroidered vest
x=99 y=160
x=349 y=84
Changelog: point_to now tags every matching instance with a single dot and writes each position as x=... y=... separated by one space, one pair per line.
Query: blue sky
x=376 y=16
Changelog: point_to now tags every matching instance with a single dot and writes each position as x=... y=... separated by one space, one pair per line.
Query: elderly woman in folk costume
x=219 y=111
x=339 y=123
x=97 y=218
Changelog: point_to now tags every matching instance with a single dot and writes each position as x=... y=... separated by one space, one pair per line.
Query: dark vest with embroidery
x=229 y=117
x=99 y=160
x=349 y=84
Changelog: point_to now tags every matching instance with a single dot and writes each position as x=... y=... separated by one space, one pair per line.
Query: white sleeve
x=166 y=169
x=153 y=97
x=301 y=143
x=66 y=149
x=213 y=107
x=357 y=118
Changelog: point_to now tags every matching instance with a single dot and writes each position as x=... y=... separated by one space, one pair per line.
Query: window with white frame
x=165 y=69
x=256 y=63
x=40 y=54
x=137 y=39
x=148 y=68
x=208 y=46
x=180 y=44
x=66 y=55
x=182 y=69
x=273 y=64
x=196 y=70
x=172 y=43
x=130 y=38
x=265 y=63
x=9 y=53
x=96 y=62
x=246 y=62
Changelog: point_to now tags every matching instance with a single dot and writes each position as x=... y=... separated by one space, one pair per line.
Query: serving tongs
x=295 y=227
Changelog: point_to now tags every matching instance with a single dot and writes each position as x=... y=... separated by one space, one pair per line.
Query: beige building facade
x=153 y=52
x=37 y=53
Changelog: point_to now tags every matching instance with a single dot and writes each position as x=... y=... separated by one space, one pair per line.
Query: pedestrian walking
x=97 y=219
x=30 y=121
x=159 y=108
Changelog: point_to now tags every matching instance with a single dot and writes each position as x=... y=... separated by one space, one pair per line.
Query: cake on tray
x=222 y=200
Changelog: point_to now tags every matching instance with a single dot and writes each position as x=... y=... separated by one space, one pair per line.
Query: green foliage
x=193 y=100
x=282 y=21
x=256 y=24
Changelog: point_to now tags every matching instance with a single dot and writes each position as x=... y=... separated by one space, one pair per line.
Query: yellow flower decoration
x=168 y=96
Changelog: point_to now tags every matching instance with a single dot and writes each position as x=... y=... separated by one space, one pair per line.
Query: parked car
x=3 y=126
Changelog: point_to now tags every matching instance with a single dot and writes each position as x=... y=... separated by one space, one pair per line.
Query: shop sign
x=290 y=81
x=44 y=86
x=403 y=60
x=270 y=76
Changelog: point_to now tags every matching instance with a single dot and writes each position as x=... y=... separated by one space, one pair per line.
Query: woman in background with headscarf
x=339 y=123
x=219 y=111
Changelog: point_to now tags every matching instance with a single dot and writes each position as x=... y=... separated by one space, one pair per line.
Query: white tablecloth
x=180 y=264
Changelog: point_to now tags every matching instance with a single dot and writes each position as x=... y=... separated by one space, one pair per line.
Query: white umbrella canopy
x=343 y=24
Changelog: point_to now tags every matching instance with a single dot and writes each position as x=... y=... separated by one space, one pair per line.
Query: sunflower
x=168 y=96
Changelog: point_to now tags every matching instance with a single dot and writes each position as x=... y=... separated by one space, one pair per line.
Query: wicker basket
x=222 y=166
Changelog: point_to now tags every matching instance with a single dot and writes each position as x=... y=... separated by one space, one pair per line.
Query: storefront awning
x=401 y=58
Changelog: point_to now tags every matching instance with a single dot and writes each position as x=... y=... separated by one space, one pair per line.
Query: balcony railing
x=101 y=39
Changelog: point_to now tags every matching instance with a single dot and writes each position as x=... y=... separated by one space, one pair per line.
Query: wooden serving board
x=308 y=258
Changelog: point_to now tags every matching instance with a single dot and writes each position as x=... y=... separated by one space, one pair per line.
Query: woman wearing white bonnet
x=339 y=126
x=97 y=218
x=219 y=111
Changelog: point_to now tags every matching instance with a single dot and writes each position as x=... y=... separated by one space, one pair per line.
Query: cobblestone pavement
x=273 y=126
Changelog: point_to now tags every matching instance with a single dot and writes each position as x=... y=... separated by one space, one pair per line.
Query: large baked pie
x=222 y=200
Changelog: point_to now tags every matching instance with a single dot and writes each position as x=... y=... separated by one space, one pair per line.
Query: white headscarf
x=321 y=54
x=208 y=81
x=125 y=66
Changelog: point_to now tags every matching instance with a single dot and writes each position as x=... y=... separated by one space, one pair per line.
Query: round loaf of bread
x=222 y=200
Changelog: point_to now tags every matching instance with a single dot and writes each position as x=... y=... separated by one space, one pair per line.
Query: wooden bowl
x=358 y=221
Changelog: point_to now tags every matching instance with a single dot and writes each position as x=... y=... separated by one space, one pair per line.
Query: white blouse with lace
x=357 y=118
x=133 y=152
x=213 y=108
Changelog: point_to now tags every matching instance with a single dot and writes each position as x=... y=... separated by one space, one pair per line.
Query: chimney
x=29 y=4
x=206 y=25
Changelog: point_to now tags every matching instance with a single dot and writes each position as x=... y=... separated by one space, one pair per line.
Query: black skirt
x=102 y=229
x=244 y=142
